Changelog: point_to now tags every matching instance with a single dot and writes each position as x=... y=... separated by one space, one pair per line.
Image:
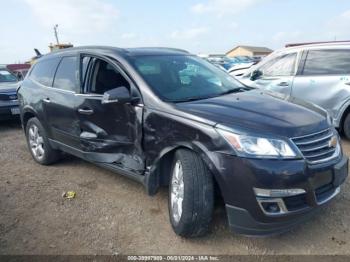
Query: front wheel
x=346 y=126
x=191 y=195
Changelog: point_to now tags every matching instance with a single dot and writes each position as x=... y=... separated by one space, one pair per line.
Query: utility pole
x=56 y=33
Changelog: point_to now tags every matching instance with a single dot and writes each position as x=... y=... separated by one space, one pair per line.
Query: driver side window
x=103 y=76
x=280 y=66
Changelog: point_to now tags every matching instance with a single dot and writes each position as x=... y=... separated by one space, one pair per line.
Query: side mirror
x=117 y=95
x=255 y=75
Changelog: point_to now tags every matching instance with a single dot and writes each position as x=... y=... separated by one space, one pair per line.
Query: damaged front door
x=111 y=132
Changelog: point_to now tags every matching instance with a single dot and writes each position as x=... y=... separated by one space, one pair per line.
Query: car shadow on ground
x=7 y=125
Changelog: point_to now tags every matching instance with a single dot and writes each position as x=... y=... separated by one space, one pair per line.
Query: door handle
x=283 y=84
x=47 y=100
x=86 y=111
x=88 y=135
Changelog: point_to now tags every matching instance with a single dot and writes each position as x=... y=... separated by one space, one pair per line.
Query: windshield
x=183 y=78
x=6 y=76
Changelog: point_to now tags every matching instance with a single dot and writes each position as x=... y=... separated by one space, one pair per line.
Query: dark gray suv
x=165 y=117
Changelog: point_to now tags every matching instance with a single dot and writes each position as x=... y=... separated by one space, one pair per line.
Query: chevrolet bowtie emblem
x=333 y=142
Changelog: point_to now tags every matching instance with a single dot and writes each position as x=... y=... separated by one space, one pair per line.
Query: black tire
x=346 y=126
x=198 y=195
x=50 y=155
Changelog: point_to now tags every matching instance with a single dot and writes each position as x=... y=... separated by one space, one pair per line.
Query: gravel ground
x=113 y=215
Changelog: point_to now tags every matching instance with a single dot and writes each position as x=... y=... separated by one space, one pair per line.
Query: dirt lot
x=112 y=214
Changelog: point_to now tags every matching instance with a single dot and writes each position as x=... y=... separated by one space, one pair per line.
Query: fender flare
x=153 y=178
x=27 y=109
x=340 y=116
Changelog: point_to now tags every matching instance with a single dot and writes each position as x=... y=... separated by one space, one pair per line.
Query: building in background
x=55 y=47
x=244 y=50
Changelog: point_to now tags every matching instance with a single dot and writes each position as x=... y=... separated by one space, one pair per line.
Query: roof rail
x=321 y=42
x=172 y=48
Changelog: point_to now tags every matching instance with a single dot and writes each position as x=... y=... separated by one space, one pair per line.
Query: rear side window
x=66 y=75
x=327 y=62
x=44 y=71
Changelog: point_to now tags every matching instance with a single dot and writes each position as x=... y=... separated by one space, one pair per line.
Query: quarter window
x=280 y=66
x=65 y=77
x=327 y=62
x=44 y=71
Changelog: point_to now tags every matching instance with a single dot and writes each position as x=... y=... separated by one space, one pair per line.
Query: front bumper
x=9 y=109
x=238 y=177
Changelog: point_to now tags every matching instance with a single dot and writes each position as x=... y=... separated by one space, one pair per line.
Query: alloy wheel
x=36 y=142
x=177 y=191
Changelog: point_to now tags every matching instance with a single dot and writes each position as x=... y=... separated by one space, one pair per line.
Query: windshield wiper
x=235 y=90
x=194 y=98
x=189 y=99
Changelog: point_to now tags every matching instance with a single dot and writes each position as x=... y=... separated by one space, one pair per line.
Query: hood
x=8 y=86
x=258 y=112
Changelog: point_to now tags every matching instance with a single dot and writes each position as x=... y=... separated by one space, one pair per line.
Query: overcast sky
x=200 y=26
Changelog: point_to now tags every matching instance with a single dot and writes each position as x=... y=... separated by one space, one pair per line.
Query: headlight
x=258 y=146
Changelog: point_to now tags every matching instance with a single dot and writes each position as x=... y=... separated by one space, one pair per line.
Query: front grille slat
x=312 y=149
x=314 y=141
x=316 y=147
x=330 y=151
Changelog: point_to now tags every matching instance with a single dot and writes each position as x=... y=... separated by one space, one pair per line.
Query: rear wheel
x=38 y=143
x=191 y=195
x=346 y=126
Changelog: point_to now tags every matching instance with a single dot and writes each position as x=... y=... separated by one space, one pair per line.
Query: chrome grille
x=317 y=147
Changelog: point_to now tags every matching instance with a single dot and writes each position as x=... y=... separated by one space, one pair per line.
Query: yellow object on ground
x=69 y=194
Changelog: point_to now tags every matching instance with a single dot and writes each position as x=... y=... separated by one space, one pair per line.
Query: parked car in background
x=164 y=117
x=242 y=65
x=221 y=61
x=234 y=66
x=20 y=70
x=244 y=59
x=316 y=72
x=239 y=69
x=256 y=59
x=224 y=61
x=8 y=96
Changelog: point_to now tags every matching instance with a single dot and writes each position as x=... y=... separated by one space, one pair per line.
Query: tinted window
x=44 y=71
x=66 y=74
x=181 y=78
x=6 y=76
x=280 y=66
x=327 y=62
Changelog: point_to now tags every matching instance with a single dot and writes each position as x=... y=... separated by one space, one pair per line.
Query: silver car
x=317 y=73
